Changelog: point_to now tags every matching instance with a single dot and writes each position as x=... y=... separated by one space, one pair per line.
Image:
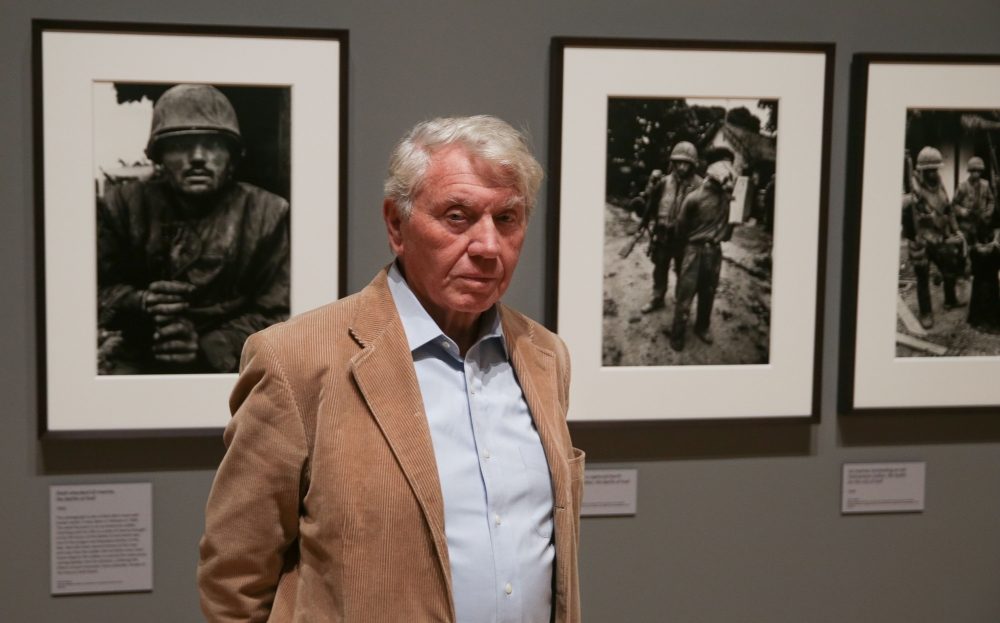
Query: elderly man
x=402 y=454
x=663 y=197
x=702 y=225
x=189 y=262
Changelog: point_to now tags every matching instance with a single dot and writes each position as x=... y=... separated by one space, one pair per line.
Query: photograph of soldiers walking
x=192 y=185
x=949 y=290
x=689 y=216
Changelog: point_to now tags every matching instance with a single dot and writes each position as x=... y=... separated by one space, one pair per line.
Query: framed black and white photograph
x=190 y=189
x=687 y=200
x=921 y=314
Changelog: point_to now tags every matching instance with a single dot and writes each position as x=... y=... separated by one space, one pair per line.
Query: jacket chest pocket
x=539 y=488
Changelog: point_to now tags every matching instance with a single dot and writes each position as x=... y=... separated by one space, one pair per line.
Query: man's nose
x=485 y=241
x=198 y=154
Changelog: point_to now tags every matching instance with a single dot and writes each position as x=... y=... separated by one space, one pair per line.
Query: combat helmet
x=929 y=158
x=188 y=109
x=976 y=164
x=685 y=151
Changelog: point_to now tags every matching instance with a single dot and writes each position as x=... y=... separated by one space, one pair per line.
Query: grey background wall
x=735 y=522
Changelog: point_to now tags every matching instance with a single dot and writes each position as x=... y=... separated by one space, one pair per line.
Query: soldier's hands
x=176 y=341
x=167 y=298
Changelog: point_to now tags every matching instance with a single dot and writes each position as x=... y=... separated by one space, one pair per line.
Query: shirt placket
x=490 y=465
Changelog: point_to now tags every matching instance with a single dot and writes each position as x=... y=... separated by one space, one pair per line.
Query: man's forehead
x=454 y=165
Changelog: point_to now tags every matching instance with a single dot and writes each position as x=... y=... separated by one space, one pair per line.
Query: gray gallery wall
x=735 y=522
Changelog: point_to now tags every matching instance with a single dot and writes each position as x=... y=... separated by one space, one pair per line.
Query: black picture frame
x=42 y=26
x=861 y=64
x=558 y=47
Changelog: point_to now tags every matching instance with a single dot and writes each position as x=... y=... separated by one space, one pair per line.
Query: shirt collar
x=418 y=325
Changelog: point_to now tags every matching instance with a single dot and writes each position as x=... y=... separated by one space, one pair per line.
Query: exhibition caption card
x=609 y=492
x=883 y=487
x=101 y=538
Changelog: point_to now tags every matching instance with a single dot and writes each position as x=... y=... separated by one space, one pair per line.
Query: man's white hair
x=486 y=138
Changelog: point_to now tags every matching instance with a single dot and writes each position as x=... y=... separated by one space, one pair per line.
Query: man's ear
x=393 y=225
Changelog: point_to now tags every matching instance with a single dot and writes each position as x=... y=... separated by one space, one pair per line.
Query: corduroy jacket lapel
x=385 y=375
x=536 y=372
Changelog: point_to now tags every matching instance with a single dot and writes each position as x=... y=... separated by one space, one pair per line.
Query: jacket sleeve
x=252 y=518
x=990 y=205
x=682 y=226
x=113 y=291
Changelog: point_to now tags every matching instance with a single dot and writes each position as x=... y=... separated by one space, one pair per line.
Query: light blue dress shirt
x=494 y=477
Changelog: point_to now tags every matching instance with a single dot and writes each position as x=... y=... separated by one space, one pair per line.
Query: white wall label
x=101 y=538
x=883 y=487
x=609 y=492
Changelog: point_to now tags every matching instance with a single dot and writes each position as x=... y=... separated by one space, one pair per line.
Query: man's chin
x=474 y=302
x=198 y=190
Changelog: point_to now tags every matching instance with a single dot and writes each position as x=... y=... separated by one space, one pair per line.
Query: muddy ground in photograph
x=740 y=318
x=950 y=329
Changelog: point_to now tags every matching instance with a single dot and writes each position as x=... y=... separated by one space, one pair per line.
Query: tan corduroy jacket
x=327 y=506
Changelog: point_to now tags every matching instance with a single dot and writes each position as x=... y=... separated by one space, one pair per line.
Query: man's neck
x=462 y=327
x=194 y=206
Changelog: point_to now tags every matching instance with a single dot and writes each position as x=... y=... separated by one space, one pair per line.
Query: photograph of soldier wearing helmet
x=193 y=248
x=689 y=216
x=949 y=290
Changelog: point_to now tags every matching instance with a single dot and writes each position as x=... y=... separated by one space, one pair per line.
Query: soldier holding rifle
x=663 y=197
x=973 y=200
x=934 y=235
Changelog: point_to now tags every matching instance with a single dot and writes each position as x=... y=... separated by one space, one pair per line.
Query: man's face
x=974 y=176
x=461 y=243
x=197 y=165
x=931 y=177
x=683 y=168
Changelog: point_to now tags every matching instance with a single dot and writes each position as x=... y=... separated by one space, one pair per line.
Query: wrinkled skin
x=461 y=243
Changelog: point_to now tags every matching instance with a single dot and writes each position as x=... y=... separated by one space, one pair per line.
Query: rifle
x=624 y=252
x=994 y=167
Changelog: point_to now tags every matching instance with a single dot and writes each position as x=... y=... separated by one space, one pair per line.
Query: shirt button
x=486 y=454
x=510 y=589
x=498 y=520
x=445 y=344
x=473 y=390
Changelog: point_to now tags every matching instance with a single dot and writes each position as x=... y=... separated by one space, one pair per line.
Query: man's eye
x=455 y=216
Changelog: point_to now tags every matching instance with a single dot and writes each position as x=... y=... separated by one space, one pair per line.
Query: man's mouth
x=480 y=280
x=199 y=173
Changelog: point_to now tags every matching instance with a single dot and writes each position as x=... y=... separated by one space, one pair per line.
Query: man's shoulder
x=260 y=198
x=316 y=338
x=327 y=326
x=134 y=191
x=135 y=200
